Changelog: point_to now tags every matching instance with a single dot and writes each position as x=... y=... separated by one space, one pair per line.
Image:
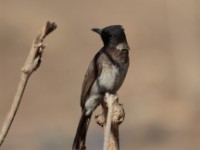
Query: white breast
x=107 y=80
x=108 y=76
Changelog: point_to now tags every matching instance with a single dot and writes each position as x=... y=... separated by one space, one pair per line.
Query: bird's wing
x=94 y=71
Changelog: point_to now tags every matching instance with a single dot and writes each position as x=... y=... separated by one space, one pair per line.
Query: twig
x=33 y=61
x=109 y=101
x=114 y=114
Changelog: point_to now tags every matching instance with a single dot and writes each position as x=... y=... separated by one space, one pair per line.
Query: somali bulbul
x=105 y=74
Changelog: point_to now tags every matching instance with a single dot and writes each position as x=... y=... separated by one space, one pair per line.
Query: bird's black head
x=112 y=35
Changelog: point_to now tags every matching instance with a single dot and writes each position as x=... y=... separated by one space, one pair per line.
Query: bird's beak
x=97 y=30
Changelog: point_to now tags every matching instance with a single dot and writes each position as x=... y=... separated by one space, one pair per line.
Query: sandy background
x=161 y=94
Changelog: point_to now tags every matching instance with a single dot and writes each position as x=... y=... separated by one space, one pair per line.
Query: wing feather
x=94 y=71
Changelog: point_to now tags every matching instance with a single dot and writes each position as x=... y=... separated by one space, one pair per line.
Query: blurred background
x=161 y=94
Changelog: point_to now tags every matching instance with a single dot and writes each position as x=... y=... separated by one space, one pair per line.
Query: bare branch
x=114 y=114
x=33 y=61
x=109 y=102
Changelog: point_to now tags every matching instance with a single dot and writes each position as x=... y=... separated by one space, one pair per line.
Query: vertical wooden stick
x=114 y=114
x=109 y=101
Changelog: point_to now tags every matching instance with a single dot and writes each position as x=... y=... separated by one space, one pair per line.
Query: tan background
x=161 y=94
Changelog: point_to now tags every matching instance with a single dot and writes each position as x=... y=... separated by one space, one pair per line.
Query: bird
x=105 y=74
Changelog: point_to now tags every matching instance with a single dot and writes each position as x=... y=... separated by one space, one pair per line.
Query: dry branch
x=33 y=61
x=114 y=114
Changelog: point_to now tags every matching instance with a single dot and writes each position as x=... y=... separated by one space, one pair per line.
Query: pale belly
x=109 y=81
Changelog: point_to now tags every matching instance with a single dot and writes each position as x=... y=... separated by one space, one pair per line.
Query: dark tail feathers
x=79 y=140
